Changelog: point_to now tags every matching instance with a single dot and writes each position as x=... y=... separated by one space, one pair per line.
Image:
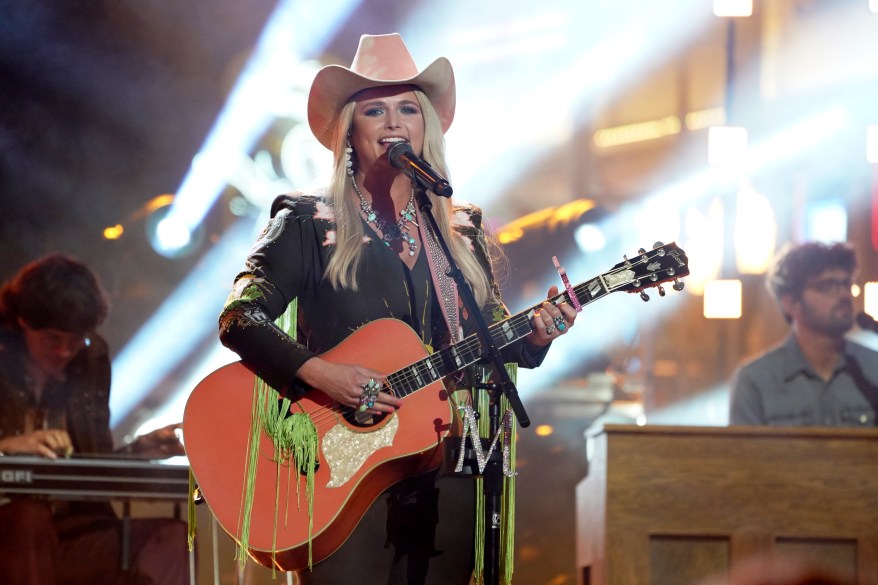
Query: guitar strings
x=404 y=376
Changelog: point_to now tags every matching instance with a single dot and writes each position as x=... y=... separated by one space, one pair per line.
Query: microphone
x=865 y=321
x=404 y=158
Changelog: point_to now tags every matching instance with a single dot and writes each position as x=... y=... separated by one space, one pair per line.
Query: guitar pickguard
x=345 y=450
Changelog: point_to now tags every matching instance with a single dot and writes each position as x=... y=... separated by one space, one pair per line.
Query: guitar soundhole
x=363 y=419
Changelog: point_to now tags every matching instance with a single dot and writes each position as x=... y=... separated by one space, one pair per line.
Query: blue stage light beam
x=187 y=317
x=171 y=410
x=540 y=68
x=296 y=29
x=708 y=409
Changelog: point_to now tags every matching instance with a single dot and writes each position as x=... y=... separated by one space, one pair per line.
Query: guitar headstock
x=664 y=263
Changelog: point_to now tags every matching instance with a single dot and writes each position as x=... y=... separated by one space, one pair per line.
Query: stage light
x=705 y=118
x=704 y=245
x=733 y=8
x=826 y=220
x=590 y=238
x=726 y=146
x=639 y=132
x=873 y=5
x=113 y=232
x=755 y=231
x=544 y=430
x=870 y=299
x=722 y=299
x=872 y=141
x=652 y=129
x=170 y=236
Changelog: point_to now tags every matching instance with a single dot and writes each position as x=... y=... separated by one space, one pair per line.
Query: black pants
x=419 y=532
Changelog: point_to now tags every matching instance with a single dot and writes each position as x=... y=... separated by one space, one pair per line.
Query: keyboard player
x=54 y=401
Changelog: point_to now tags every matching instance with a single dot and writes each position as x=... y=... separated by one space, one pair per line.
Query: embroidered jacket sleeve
x=280 y=266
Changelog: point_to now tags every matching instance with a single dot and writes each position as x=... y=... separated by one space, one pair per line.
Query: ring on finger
x=370 y=394
x=560 y=323
x=550 y=329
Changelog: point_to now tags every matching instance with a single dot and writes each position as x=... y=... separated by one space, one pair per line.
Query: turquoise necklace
x=390 y=232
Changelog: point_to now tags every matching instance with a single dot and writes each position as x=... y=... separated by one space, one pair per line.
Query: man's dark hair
x=796 y=265
x=55 y=292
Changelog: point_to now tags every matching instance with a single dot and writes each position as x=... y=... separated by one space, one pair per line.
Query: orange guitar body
x=216 y=426
x=357 y=463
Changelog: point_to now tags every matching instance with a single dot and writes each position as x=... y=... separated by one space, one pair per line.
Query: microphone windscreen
x=397 y=152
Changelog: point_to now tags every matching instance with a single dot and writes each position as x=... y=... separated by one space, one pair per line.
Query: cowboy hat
x=380 y=60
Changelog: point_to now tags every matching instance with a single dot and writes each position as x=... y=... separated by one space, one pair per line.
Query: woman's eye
x=374 y=112
x=409 y=110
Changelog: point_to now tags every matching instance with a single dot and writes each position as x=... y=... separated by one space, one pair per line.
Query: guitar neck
x=469 y=350
x=648 y=269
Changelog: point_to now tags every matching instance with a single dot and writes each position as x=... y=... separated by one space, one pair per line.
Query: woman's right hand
x=346 y=384
x=49 y=443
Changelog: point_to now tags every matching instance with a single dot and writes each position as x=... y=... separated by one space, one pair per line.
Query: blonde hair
x=343 y=267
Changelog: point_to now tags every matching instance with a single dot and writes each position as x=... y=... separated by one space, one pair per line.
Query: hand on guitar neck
x=348 y=384
x=551 y=321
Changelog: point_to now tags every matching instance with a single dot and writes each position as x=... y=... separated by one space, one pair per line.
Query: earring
x=348 y=160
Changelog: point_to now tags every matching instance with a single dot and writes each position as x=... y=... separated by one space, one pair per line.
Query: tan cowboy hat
x=380 y=60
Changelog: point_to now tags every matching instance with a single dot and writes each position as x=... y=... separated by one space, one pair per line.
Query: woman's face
x=384 y=116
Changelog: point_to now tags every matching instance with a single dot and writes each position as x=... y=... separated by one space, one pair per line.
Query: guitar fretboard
x=662 y=263
x=469 y=350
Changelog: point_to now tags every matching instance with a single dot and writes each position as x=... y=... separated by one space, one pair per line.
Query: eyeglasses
x=831 y=285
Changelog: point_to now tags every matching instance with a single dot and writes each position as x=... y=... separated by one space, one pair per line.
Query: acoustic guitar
x=357 y=462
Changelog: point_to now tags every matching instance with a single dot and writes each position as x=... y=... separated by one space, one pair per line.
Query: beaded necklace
x=398 y=231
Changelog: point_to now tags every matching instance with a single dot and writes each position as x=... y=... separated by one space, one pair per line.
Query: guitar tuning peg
x=661 y=290
x=627 y=261
x=678 y=286
x=644 y=296
x=657 y=245
x=641 y=251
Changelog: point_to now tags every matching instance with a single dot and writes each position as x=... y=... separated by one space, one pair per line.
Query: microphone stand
x=492 y=484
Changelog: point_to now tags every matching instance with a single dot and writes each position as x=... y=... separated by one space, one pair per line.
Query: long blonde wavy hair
x=343 y=267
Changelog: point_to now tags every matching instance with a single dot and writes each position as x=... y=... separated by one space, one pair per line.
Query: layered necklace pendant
x=391 y=232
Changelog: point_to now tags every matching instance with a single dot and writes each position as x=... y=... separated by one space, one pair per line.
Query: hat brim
x=334 y=85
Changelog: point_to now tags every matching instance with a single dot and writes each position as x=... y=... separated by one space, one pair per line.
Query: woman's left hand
x=551 y=321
